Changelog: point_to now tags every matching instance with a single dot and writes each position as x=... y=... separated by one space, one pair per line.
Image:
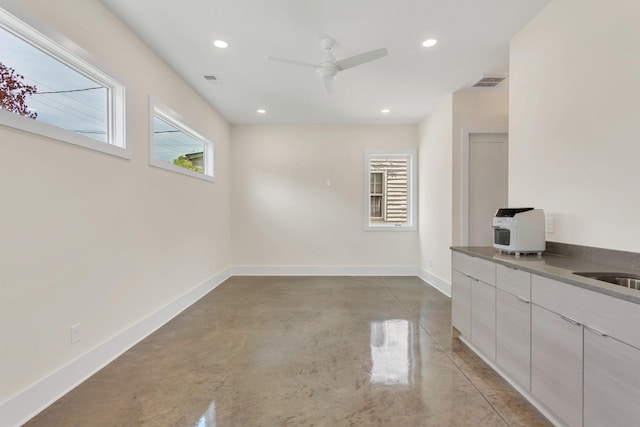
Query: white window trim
x=116 y=143
x=412 y=185
x=170 y=116
x=383 y=192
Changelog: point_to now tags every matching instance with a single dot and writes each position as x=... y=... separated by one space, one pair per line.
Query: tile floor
x=300 y=351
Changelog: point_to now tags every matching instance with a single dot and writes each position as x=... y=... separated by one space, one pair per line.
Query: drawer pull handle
x=523 y=300
x=597 y=332
x=573 y=322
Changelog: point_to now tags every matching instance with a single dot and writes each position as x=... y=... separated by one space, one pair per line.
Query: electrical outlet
x=75 y=333
x=550 y=224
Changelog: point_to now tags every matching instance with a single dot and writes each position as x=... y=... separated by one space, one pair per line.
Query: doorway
x=487 y=184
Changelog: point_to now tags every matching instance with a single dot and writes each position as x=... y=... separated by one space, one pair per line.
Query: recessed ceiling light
x=429 y=42
x=385 y=110
x=221 y=44
x=261 y=111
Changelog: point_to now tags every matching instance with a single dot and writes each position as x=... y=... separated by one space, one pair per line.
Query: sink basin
x=626 y=280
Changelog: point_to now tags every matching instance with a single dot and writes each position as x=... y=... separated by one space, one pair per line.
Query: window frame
x=160 y=110
x=116 y=116
x=411 y=223
x=382 y=194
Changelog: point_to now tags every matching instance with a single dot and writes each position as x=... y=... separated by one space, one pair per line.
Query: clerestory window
x=177 y=147
x=47 y=90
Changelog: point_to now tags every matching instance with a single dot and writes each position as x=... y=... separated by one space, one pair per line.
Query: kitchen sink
x=626 y=280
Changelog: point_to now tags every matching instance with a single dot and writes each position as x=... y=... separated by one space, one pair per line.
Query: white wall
x=298 y=197
x=435 y=175
x=93 y=239
x=575 y=120
x=478 y=110
x=441 y=172
x=105 y=242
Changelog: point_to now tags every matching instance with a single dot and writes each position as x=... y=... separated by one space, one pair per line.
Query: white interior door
x=488 y=158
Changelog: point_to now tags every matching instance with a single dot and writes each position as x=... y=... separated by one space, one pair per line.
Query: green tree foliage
x=13 y=92
x=184 y=162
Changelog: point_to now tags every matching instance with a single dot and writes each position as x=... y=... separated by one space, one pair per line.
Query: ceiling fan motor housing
x=327 y=43
x=327 y=70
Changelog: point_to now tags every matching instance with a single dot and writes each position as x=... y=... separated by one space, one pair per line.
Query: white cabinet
x=475 y=267
x=614 y=316
x=473 y=306
x=461 y=303
x=513 y=324
x=483 y=317
x=572 y=351
x=609 y=350
x=513 y=337
x=611 y=382
x=556 y=364
x=516 y=282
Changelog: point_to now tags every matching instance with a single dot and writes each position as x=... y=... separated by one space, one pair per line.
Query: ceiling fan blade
x=290 y=61
x=329 y=84
x=352 y=61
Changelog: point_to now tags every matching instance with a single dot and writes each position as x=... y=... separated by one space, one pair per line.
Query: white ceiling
x=473 y=40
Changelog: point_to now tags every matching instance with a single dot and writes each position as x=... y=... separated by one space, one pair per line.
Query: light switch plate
x=75 y=333
x=550 y=224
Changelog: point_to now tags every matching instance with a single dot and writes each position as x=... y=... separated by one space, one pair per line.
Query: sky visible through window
x=65 y=97
x=171 y=143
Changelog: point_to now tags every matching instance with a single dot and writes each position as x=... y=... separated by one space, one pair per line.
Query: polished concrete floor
x=300 y=351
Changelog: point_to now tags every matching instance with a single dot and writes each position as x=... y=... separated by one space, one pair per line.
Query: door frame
x=464 y=206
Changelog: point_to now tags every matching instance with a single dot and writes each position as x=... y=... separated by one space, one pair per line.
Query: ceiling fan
x=329 y=67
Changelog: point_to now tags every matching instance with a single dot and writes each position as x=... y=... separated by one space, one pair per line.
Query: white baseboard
x=435 y=281
x=23 y=406
x=316 y=270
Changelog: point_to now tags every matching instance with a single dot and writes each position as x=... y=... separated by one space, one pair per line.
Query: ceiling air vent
x=212 y=78
x=489 y=81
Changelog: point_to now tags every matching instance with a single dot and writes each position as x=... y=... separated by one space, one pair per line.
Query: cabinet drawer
x=610 y=315
x=516 y=282
x=475 y=267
